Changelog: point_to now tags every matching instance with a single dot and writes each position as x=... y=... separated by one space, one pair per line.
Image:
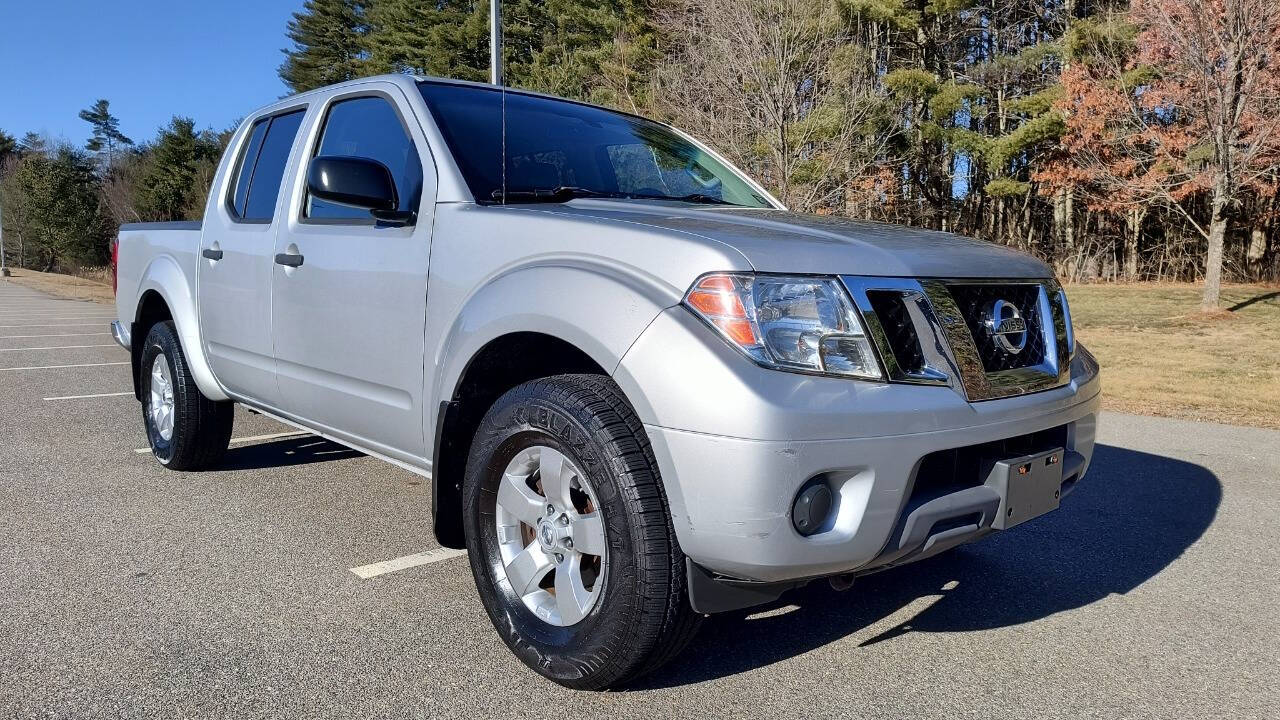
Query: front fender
x=165 y=276
x=599 y=310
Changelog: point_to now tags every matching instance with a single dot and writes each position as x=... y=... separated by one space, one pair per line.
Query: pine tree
x=59 y=221
x=581 y=49
x=449 y=38
x=329 y=44
x=8 y=145
x=33 y=143
x=598 y=51
x=172 y=182
x=106 y=132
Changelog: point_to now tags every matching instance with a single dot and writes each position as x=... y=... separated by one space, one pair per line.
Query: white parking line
x=82 y=397
x=27 y=316
x=251 y=438
x=58 y=347
x=56 y=367
x=5 y=337
x=43 y=325
x=403 y=563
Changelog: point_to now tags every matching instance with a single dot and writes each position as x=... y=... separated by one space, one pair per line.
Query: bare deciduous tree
x=1187 y=110
x=777 y=86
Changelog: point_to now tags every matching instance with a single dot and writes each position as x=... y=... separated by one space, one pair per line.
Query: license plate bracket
x=1029 y=486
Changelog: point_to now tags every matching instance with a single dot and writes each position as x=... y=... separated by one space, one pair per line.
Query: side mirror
x=356 y=182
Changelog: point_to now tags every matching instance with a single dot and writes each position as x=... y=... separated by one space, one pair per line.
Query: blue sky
x=211 y=60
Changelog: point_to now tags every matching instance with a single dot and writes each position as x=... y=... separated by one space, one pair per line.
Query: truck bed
x=174 y=245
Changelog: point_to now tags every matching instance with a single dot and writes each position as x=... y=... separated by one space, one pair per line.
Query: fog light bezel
x=813 y=507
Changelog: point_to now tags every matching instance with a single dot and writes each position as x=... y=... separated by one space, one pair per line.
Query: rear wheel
x=186 y=430
x=569 y=535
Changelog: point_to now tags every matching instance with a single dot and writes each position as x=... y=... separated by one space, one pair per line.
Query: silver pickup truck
x=642 y=389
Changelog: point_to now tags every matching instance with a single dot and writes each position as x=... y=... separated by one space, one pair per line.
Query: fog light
x=811 y=507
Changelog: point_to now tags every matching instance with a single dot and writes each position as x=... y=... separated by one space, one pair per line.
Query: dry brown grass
x=95 y=285
x=1161 y=356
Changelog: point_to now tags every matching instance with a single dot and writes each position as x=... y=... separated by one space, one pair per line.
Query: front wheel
x=186 y=430
x=569 y=535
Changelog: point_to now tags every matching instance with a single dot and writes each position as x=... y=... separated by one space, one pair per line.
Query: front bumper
x=735 y=443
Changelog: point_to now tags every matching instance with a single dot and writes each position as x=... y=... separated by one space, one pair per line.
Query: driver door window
x=368 y=127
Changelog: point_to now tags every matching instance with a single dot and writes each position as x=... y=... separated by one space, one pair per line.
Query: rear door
x=349 y=320
x=235 y=262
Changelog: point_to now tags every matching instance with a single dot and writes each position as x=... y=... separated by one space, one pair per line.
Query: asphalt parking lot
x=130 y=591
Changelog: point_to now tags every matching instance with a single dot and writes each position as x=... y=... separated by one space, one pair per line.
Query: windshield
x=558 y=150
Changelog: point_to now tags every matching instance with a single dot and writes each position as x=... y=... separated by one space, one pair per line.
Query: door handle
x=212 y=254
x=289 y=259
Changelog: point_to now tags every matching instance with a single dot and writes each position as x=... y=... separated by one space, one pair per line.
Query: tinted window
x=264 y=186
x=369 y=127
x=558 y=144
x=248 y=158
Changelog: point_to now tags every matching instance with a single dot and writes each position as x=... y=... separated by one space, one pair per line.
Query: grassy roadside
x=67 y=286
x=1159 y=355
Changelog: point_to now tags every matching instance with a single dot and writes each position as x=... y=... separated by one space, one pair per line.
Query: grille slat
x=900 y=332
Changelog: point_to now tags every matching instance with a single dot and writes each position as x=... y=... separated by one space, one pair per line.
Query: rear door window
x=262 y=166
x=248 y=158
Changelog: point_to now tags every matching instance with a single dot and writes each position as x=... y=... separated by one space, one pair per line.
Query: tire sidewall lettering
x=564 y=428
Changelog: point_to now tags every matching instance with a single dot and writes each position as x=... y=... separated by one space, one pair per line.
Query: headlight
x=788 y=323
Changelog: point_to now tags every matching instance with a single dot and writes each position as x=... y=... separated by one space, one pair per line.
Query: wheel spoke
x=160 y=408
x=519 y=499
x=556 y=475
x=588 y=533
x=528 y=568
x=572 y=596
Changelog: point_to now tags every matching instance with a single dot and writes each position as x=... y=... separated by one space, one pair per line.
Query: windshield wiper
x=691 y=197
x=562 y=193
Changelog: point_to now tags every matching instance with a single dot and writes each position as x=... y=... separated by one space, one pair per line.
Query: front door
x=234 y=262
x=349 y=293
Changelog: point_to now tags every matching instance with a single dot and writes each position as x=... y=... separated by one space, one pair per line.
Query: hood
x=777 y=241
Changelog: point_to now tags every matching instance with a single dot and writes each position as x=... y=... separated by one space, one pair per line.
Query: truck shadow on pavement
x=285 y=452
x=1132 y=516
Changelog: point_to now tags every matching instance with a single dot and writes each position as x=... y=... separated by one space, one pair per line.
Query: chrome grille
x=936 y=332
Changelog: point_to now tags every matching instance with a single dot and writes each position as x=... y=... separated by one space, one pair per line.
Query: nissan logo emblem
x=1006 y=327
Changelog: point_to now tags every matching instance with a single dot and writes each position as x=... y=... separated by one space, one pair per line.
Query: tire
x=198 y=430
x=639 y=615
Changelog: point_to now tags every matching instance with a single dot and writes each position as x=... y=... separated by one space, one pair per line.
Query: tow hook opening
x=841 y=583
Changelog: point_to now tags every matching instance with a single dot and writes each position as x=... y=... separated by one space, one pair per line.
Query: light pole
x=4 y=269
x=495 y=42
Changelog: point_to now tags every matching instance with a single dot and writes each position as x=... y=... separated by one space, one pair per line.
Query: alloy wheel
x=551 y=536
x=160 y=404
